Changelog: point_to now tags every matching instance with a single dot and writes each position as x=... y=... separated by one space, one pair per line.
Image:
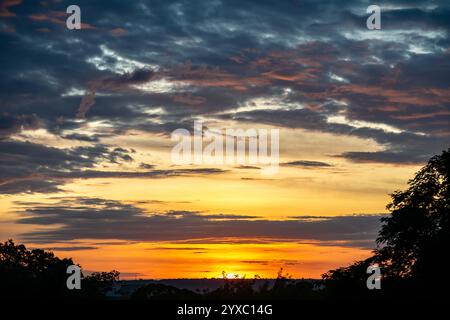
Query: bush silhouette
x=157 y=291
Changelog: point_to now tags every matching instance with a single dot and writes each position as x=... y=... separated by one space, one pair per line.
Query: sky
x=86 y=118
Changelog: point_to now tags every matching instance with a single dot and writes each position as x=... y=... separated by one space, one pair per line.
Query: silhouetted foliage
x=413 y=241
x=283 y=287
x=234 y=288
x=97 y=284
x=416 y=235
x=31 y=273
x=156 y=291
x=39 y=274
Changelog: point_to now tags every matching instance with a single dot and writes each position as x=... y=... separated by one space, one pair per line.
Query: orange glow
x=209 y=260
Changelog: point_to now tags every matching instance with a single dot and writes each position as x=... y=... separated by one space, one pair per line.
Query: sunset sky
x=86 y=118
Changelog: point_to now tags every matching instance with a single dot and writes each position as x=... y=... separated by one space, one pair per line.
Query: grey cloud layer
x=30 y=167
x=27 y=167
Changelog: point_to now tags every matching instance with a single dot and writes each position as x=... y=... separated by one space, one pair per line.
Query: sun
x=232 y=275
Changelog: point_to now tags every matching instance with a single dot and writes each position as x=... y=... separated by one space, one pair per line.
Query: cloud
x=81 y=137
x=400 y=147
x=57 y=18
x=27 y=167
x=10 y=124
x=95 y=218
x=30 y=158
x=72 y=248
x=248 y=167
x=117 y=32
x=385 y=157
x=30 y=185
x=306 y=164
x=154 y=174
x=5 y=7
x=112 y=83
x=179 y=248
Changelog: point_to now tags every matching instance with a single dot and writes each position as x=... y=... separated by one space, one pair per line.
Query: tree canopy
x=38 y=273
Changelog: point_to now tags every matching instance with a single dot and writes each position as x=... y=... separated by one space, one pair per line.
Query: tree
x=414 y=239
x=40 y=274
x=31 y=273
x=97 y=284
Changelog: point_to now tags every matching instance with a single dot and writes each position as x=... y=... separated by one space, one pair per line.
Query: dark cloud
x=146 y=166
x=30 y=186
x=27 y=167
x=11 y=124
x=6 y=6
x=72 y=248
x=93 y=218
x=179 y=248
x=114 y=83
x=155 y=173
x=81 y=137
x=306 y=164
x=401 y=147
x=248 y=167
x=385 y=157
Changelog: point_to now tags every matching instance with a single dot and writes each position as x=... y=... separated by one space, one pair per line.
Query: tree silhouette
x=31 y=273
x=413 y=240
x=97 y=284
x=157 y=291
x=39 y=274
x=415 y=236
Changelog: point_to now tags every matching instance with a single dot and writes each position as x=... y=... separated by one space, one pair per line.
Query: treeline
x=39 y=274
